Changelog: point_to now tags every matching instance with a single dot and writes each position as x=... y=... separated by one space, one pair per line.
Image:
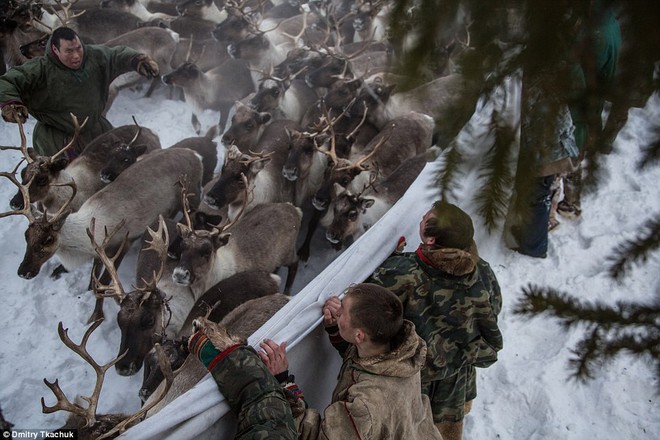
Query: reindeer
x=239 y=324
x=158 y=43
x=85 y=420
x=15 y=31
x=116 y=205
x=444 y=99
x=137 y=8
x=201 y=9
x=401 y=138
x=126 y=155
x=216 y=89
x=157 y=308
x=259 y=53
x=207 y=258
x=370 y=20
x=94 y=25
x=218 y=301
x=262 y=173
x=48 y=174
x=351 y=214
x=284 y=98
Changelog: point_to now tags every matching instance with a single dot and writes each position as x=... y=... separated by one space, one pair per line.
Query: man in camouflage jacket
x=453 y=298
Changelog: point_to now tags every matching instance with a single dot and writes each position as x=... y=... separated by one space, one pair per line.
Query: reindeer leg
x=303 y=251
x=104 y=279
x=196 y=124
x=155 y=82
x=98 y=306
x=292 y=269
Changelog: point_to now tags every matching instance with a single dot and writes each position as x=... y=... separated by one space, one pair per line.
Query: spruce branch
x=493 y=197
x=636 y=250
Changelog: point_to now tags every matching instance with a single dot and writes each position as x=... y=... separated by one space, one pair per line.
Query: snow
x=527 y=394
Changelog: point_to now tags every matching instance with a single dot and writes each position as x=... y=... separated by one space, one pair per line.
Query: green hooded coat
x=51 y=91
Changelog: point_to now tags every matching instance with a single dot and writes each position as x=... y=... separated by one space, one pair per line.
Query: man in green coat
x=453 y=298
x=70 y=78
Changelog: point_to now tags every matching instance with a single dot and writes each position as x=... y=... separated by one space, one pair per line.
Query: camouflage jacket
x=453 y=298
x=254 y=395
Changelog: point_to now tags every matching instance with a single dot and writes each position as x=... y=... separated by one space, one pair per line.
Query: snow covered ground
x=525 y=395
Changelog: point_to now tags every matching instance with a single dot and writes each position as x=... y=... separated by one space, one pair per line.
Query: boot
x=450 y=430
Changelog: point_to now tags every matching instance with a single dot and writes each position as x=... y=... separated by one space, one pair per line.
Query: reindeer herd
x=312 y=134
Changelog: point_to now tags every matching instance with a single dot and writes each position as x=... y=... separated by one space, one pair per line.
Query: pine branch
x=539 y=300
x=636 y=250
x=447 y=174
x=493 y=198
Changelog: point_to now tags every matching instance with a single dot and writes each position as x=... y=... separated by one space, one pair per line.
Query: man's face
x=346 y=329
x=422 y=224
x=70 y=53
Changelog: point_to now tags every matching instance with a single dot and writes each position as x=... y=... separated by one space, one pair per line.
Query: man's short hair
x=62 y=33
x=377 y=311
x=450 y=226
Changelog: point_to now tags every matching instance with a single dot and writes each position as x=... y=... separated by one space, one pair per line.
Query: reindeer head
x=302 y=148
x=241 y=22
x=121 y=156
x=247 y=125
x=41 y=171
x=184 y=75
x=236 y=178
x=217 y=334
x=198 y=247
x=85 y=420
x=347 y=209
x=42 y=239
x=251 y=48
x=175 y=353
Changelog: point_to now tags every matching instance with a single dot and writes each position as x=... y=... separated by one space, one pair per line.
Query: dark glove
x=145 y=66
x=15 y=112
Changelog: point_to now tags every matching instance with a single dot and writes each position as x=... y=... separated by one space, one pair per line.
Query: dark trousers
x=531 y=233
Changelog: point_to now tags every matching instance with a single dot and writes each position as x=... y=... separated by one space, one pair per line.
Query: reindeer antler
x=108 y=262
x=159 y=242
x=363 y=159
x=76 y=133
x=63 y=403
x=166 y=368
x=27 y=209
x=64 y=14
x=23 y=147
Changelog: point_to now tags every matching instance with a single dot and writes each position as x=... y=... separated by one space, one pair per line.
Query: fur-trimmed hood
x=456 y=262
x=404 y=361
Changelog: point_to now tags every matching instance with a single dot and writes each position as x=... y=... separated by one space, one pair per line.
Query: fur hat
x=451 y=227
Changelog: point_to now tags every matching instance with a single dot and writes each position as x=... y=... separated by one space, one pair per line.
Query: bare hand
x=274 y=356
x=331 y=311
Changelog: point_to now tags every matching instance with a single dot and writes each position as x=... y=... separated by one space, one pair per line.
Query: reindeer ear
x=338 y=188
x=221 y=240
x=58 y=165
x=354 y=84
x=57 y=224
x=140 y=149
x=33 y=154
x=264 y=117
x=183 y=230
x=258 y=165
x=367 y=203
